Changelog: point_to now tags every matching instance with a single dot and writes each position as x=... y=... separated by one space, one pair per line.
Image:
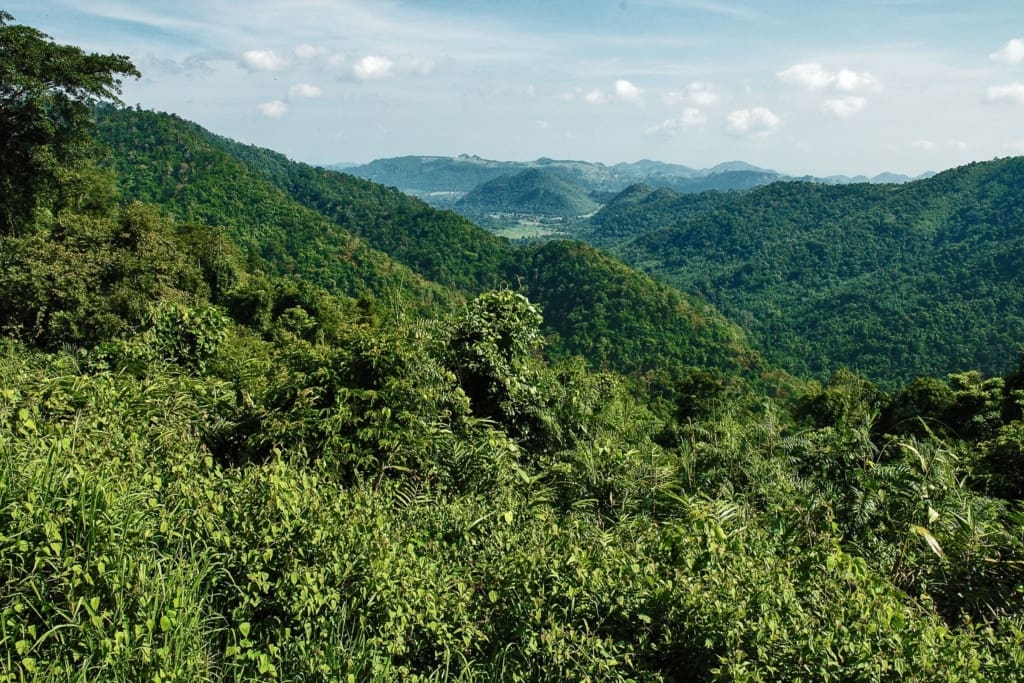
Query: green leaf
x=244 y=628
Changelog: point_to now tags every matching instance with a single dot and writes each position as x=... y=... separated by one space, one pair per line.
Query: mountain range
x=442 y=180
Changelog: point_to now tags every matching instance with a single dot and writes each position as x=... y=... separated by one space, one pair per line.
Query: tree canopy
x=45 y=92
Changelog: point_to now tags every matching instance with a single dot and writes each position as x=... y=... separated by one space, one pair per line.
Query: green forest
x=891 y=281
x=264 y=421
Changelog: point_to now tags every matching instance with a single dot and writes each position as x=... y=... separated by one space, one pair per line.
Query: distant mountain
x=892 y=281
x=533 y=191
x=423 y=176
x=442 y=181
x=645 y=168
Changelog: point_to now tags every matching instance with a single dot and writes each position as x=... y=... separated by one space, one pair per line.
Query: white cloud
x=304 y=90
x=811 y=75
x=1011 y=92
x=958 y=145
x=543 y=125
x=624 y=90
x=814 y=76
x=851 y=81
x=754 y=123
x=844 y=107
x=263 y=60
x=1011 y=53
x=595 y=97
x=924 y=145
x=274 y=109
x=372 y=67
x=690 y=117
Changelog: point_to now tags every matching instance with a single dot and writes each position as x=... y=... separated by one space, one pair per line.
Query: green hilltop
x=532 y=192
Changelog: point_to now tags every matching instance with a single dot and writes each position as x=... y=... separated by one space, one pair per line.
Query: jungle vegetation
x=258 y=431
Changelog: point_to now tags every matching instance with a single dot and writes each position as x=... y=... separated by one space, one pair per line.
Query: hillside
x=891 y=281
x=641 y=208
x=622 y=319
x=165 y=160
x=318 y=224
x=533 y=192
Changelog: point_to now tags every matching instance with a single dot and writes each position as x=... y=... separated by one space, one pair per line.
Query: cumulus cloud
x=754 y=123
x=924 y=145
x=851 y=81
x=1011 y=53
x=698 y=94
x=595 y=97
x=690 y=117
x=624 y=90
x=263 y=60
x=372 y=67
x=1011 y=92
x=274 y=109
x=844 y=107
x=304 y=90
x=814 y=76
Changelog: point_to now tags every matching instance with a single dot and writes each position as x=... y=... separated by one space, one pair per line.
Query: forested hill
x=532 y=191
x=318 y=223
x=891 y=281
x=171 y=162
x=642 y=208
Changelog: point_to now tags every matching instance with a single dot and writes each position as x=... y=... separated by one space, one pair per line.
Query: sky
x=803 y=87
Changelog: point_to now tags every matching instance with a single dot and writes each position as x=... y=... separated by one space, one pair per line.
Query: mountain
x=428 y=177
x=642 y=208
x=646 y=168
x=359 y=238
x=533 y=191
x=621 y=318
x=892 y=281
x=165 y=160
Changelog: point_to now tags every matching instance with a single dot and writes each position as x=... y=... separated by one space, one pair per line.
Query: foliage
x=892 y=282
x=45 y=90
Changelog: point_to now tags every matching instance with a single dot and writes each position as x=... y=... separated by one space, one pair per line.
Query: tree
x=46 y=90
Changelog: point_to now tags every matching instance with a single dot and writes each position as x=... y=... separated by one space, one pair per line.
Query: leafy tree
x=45 y=89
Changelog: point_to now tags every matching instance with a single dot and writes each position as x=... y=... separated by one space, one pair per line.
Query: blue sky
x=803 y=87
